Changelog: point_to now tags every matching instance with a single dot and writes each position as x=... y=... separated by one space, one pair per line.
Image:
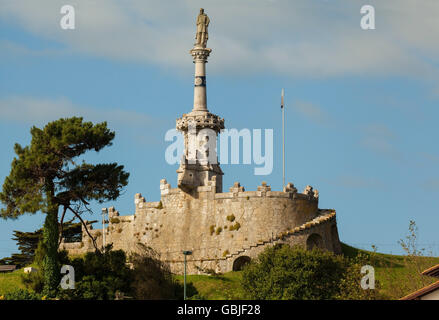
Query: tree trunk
x=51 y=266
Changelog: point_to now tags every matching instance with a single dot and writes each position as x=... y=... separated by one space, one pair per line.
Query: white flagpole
x=283 y=137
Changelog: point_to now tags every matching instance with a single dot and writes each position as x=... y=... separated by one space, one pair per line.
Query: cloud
x=381 y=140
x=351 y=181
x=297 y=38
x=312 y=112
x=38 y=111
x=434 y=158
x=431 y=185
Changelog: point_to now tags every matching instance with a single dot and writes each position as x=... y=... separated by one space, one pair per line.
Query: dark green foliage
x=285 y=273
x=98 y=276
x=46 y=176
x=34 y=281
x=153 y=279
x=28 y=242
x=72 y=232
x=50 y=266
x=21 y=294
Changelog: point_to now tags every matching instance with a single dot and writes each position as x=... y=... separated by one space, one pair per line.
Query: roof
x=422 y=292
x=8 y=268
x=432 y=272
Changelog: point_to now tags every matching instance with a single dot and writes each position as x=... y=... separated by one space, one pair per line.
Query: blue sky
x=361 y=105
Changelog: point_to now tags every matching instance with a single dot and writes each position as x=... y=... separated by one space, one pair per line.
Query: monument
x=223 y=230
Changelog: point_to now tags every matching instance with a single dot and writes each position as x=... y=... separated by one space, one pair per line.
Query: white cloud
x=354 y=181
x=431 y=185
x=38 y=111
x=296 y=38
x=312 y=112
x=380 y=139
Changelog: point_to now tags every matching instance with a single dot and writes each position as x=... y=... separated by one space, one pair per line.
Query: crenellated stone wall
x=219 y=228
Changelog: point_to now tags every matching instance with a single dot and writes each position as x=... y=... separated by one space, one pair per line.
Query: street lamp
x=186 y=253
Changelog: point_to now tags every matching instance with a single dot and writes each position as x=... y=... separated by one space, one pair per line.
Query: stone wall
x=218 y=228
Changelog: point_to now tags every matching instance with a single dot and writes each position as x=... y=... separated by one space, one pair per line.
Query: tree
x=99 y=275
x=293 y=273
x=412 y=264
x=153 y=279
x=28 y=242
x=47 y=176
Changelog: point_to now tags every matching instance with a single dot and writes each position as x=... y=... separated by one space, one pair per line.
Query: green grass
x=10 y=281
x=395 y=275
x=218 y=287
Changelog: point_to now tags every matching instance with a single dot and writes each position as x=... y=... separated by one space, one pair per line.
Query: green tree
x=47 y=176
x=99 y=276
x=28 y=242
x=153 y=279
x=292 y=273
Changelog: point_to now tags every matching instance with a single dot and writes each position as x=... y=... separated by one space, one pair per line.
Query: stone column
x=200 y=59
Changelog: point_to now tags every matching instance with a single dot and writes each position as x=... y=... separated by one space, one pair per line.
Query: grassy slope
x=220 y=287
x=10 y=281
x=390 y=270
x=397 y=275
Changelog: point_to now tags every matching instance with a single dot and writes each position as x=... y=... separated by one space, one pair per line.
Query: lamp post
x=186 y=253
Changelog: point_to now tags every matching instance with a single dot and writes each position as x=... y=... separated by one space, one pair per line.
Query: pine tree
x=28 y=242
x=47 y=176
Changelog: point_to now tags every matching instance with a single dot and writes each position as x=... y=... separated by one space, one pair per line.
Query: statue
x=202 y=24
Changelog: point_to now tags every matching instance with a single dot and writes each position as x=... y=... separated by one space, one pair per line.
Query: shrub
x=218 y=230
x=98 y=276
x=231 y=218
x=115 y=220
x=285 y=273
x=236 y=226
x=20 y=294
x=33 y=281
x=152 y=277
x=212 y=229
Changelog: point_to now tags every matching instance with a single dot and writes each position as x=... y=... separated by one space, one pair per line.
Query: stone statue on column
x=202 y=24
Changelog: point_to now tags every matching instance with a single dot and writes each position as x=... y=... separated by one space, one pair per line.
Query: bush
x=21 y=294
x=285 y=273
x=114 y=220
x=34 y=281
x=236 y=226
x=98 y=276
x=152 y=277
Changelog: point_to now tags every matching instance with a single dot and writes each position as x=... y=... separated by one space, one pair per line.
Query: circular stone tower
x=199 y=163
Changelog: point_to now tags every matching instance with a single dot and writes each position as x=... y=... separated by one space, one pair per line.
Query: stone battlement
x=238 y=191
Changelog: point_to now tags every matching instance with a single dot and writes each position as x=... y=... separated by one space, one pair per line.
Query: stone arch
x=314 y=241
x=240 y=262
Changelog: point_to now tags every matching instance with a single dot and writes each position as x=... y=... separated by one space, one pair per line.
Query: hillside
x=396 y=276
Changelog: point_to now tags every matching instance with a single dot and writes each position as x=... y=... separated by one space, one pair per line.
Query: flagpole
x=283 y=138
